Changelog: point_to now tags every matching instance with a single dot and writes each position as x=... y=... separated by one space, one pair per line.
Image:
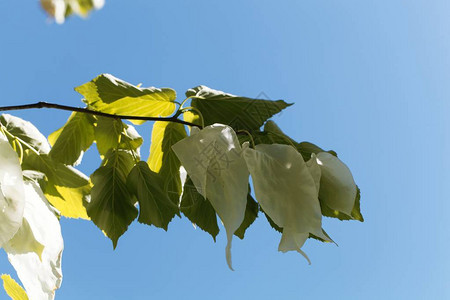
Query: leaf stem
x=191 y=108
x=249 y=135
x=173 y=119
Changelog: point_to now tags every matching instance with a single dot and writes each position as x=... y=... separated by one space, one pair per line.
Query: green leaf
x=112 y=207
x=130 y=139
x=251 y=213
x=65 y=187
x=162 y=159
x=25 y=131
x=198 y=210
x=13 y=289
x=273 y=132
x=109 y=94
x=272 y=223
x=61 y=9
x=155 y=206
x=73 y=139
x=237 y=112
x=113 y=133
x=107 y=133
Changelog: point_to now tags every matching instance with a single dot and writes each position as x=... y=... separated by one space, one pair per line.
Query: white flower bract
x=36 y=250
x=12 y=200
x=287 y=189
x=212 y=158
x=337 y=186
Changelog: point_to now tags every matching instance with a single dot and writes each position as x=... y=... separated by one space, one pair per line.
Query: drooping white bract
x=286 y=188
x=183 y=177
x=337 y=186
x=36 y=250
x=212 y=158
x=12 y=200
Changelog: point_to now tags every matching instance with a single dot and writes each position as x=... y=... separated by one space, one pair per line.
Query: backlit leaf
x=66 y=188
x=113 y=133
x=155 y=206
x=163 y=160
x=112 y=206
x=109 y=94
x=73 y=139
x=198 y=210
x=237 y=112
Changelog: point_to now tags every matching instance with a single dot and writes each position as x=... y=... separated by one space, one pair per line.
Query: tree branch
x=173 y=119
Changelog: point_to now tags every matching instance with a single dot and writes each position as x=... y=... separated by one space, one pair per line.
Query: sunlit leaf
x=113 y=133
x=12 y=200
x=212 y=159
x=286 y=191
x=66 y=188
x=112 y=206
x=73 y=139
x=61 y=9
x=162 y=159
x=306 y=149
x=109 y=94
x=39 y=271
x=237 y=112
x=13 y=289
x=154 y=204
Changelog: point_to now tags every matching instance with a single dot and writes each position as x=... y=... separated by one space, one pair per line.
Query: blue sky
x=369 y=79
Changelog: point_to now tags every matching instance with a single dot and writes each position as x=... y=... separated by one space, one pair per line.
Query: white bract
x=12 y=200
x=287 y=189
x=58 y=8
x=212 y=159
x=36 y=250
x=337 y=186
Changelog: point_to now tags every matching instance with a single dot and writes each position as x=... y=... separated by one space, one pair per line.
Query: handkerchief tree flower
x=212 y=154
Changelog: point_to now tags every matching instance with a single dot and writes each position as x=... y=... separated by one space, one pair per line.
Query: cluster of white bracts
x=58 y=8
x=286 y=187
x=30 y=232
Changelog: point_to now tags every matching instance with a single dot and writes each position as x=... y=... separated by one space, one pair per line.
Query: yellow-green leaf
x=109 y=94
x=65 y=187
x=113 y=133
x=73 y=139
x=162 y=159
x=13 y=289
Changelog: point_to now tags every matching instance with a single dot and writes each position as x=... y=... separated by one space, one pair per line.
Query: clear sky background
x=369 y=79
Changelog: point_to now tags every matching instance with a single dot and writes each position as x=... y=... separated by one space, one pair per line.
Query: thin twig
x=93 y=112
